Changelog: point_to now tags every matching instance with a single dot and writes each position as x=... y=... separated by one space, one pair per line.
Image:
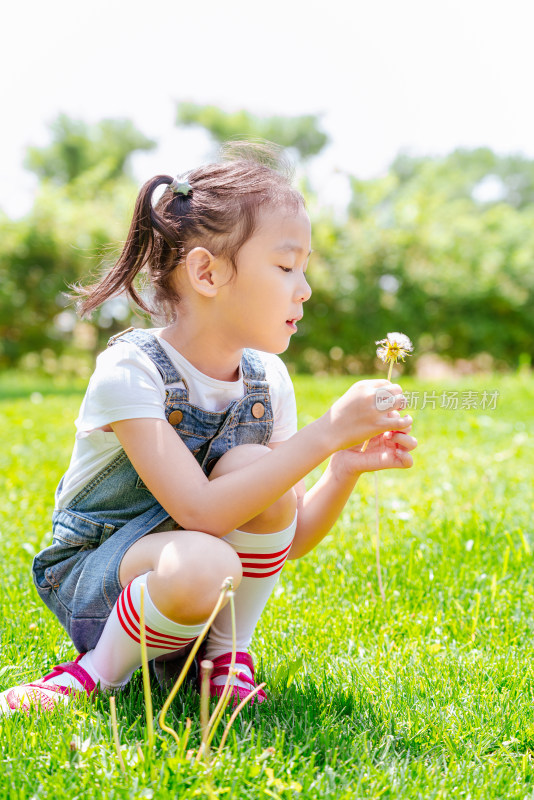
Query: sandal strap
x=239 y=693
x=223 y=671
x=240 y=658
x=71 y=668
x=221 y=667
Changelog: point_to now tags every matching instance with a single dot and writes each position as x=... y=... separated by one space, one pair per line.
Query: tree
x=302 y=133
x=427 y=252
x=479 y=174
x=78 y=148
x=84 y=200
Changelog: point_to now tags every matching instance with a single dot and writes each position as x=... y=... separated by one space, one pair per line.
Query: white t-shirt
x=126 y=384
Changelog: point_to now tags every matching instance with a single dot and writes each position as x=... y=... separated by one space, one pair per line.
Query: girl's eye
x=286 y=269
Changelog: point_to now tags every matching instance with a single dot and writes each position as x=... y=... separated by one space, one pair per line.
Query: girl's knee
x=277 y=516
x=189 y=579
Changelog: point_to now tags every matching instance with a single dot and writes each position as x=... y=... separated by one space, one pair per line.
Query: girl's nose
x=304 y=290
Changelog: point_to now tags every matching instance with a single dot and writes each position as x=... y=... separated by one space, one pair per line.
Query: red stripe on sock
x=134 y=632
x=159 y=634
x=265 y=555
x=264 y=565
x=121 y=620
x=261 y=574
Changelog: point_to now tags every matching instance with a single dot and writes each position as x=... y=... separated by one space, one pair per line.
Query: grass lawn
x=428 y=695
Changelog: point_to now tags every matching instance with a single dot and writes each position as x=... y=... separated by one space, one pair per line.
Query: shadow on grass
x=316 y=720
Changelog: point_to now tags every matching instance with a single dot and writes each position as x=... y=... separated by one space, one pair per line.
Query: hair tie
x=180 y=187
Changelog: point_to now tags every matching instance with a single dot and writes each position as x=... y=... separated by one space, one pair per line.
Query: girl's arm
x=173 y=476
x=320 y=507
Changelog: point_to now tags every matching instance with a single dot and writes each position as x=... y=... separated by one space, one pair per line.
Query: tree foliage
x=429 y=251
x=78 y=149
x=302 y=133
x=82 y=206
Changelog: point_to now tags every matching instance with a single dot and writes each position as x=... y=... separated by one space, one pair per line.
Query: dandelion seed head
x=396 y=345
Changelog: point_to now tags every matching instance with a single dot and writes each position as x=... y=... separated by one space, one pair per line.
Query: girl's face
x=263 y=301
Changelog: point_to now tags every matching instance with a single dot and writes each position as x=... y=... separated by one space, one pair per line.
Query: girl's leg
x=183 y=572
x=262 y=545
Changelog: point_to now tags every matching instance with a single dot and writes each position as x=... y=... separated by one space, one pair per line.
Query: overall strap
x=252 y=369
x=150 y=345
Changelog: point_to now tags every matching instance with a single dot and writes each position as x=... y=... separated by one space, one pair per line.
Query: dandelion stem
x=397 y=345
x=185 y=737
x=144 y=665
x=226 y=695
x=377 y=541
x=116 y=732
x=493 y=588
x=505 y=562
x=206 y=668
x=226 y=587
x=475 y=616
x=410 y=562
x=366 y=443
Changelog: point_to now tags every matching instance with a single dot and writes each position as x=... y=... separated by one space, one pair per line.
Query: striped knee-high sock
x=118 y=651
x=262 y=558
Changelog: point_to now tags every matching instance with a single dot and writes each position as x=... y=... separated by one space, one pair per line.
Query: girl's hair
x=219 y=213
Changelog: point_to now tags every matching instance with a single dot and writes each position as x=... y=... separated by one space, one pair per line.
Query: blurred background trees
x=301 y=134
x=80 y=213
x=439 y=248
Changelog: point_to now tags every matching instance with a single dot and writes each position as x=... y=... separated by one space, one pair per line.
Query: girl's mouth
x=291 y=323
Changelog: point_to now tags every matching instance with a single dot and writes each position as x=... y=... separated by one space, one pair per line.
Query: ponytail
x=135 y=255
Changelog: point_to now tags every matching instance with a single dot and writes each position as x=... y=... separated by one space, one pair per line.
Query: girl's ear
x=206 y=273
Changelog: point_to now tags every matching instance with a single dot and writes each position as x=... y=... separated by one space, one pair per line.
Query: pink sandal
x=36 y=693
x=221 y=666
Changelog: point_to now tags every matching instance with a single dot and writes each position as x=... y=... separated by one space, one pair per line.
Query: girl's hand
x=366 y=410
x=390 y=450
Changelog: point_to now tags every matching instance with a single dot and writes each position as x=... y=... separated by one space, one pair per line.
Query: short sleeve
x=282 y=398
x=125 y=385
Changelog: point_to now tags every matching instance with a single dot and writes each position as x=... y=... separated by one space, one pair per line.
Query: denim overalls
x=77 y=576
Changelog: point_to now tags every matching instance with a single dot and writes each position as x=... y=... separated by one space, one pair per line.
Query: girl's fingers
x=405 y=458
x=403 y=440
x=395 y=421
x=390 y=399
x=391 y=434
x=397 y=393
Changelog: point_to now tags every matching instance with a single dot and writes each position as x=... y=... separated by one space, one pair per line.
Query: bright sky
x=385 y=75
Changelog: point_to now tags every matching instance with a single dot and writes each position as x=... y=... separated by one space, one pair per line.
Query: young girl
x=187 y=466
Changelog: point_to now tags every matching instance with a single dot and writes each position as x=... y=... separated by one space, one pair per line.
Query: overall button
x=175 y=417
x=258 y=410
